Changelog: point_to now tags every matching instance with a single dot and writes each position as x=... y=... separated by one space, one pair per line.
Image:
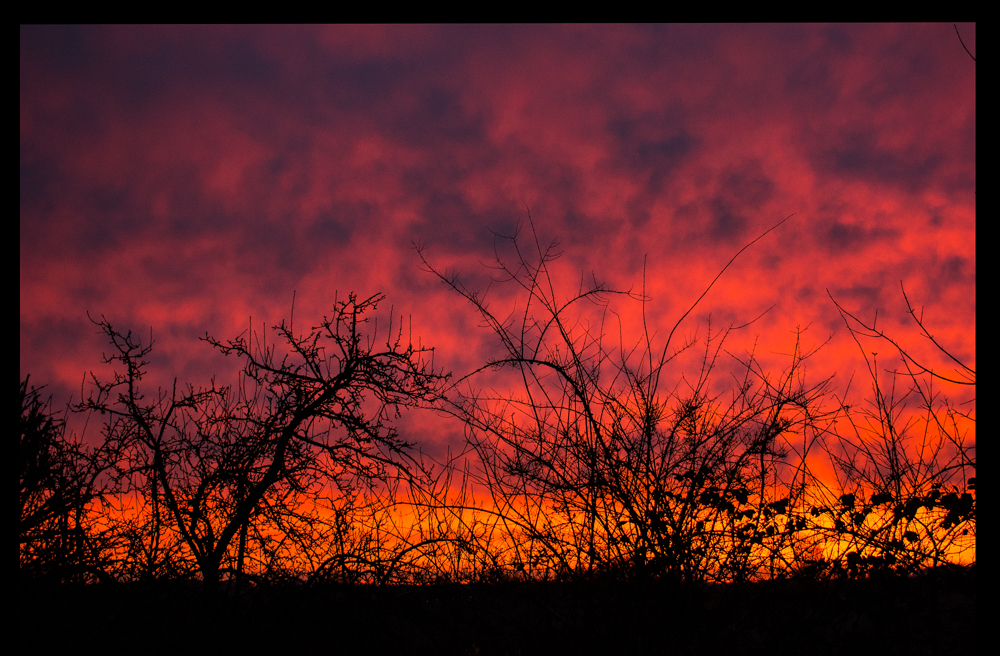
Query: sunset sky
x=186 y=179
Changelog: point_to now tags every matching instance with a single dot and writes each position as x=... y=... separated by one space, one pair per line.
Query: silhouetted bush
x=601 y=461
x=59 y=535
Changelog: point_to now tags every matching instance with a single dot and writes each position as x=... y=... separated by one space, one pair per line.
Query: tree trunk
x=209 y=590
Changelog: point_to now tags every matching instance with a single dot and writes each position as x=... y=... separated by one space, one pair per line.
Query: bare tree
x=597 y=461
x=226 y=468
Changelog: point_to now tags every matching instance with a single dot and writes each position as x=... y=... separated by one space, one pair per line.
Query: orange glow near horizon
x=456 y=530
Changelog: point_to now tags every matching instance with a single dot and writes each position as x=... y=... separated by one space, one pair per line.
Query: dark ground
x=931 y=614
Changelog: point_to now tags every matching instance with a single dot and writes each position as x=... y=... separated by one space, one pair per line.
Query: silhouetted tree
x=223 y=467
x=58 y=484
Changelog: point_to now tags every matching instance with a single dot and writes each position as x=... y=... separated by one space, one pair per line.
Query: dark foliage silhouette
x=904 y=498
x=59 y=482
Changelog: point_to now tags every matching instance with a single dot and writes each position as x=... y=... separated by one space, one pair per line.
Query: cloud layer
x=188 y=179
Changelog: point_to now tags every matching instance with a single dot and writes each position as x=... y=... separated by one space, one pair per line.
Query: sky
x=190 y=180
